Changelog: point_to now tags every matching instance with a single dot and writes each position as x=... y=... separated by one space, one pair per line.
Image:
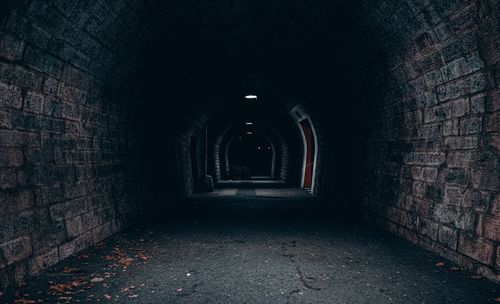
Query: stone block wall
x=432 y=174
x=69 y=175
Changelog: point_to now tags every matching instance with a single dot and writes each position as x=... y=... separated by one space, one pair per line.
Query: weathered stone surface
x=43 y=261
x=448 y=236
x=476 y=248
x=15 y=250
x=491 y=226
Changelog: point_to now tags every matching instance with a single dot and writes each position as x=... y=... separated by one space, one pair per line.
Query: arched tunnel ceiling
x=294 y=46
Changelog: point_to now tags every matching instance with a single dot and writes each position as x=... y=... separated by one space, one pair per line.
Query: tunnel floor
x=255 y=243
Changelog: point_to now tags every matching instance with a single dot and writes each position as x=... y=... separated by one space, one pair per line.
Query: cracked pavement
x=226 y=248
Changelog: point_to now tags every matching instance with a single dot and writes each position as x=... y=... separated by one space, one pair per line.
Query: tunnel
x=231 y=151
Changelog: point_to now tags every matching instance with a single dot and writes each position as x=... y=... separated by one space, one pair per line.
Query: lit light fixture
x=249 y=133
x=251 y=97
x=249 y=123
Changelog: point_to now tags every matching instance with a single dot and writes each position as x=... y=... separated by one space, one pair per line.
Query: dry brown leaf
x=126 y=261
x=440 y=264
x=69 y=270
x=107 y=296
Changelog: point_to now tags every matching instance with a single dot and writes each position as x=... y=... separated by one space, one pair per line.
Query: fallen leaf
x=24 y=301
x=440 y=264
x=96 y=280
x=1 y=293
x=83 y=257
x=125 y=261
x=69 y=270
x=142 y=256
x=107 y=296
x=78 y=282
x=65 y=298
x=178 y=289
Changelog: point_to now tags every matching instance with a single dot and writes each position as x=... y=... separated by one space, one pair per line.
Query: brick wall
x=432 y=171
x=68 y=171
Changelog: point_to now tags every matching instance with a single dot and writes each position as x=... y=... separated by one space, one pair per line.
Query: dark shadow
x=4 y=10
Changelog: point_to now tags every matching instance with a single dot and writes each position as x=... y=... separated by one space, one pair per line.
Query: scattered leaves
x=65 y=288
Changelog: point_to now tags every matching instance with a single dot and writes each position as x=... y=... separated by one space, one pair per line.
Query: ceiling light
x=251 y=97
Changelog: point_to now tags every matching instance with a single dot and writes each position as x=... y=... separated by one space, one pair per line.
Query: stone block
x=33 y=103
x=62 y=211
x=448 y=236
x=451 y=127
x=471 y=125
x=485 y=179
x=11 y=48
x=477 y=248
x=455 y=176
x=74 y=246
x=75 y=226
x=462 y=142
x=10 y=96
x=11 y=157
x=491 y=226
x=459 y=159
x=15 y=250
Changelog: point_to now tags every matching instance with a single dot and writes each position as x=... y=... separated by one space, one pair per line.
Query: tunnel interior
x=112 y=113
